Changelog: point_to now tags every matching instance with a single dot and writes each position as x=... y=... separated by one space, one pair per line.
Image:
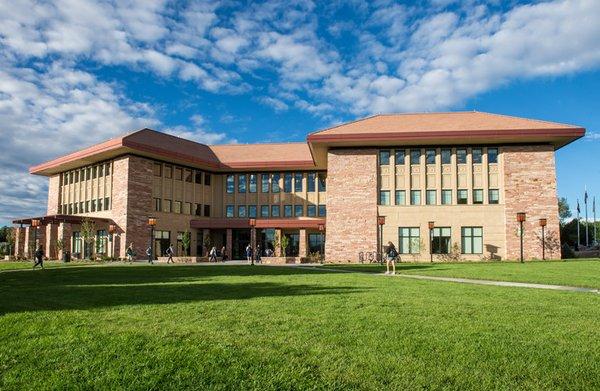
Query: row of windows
x=248 y=183
x=186 y=208
x=275 y=211
x=181 y=174
x=431 y=197
x=85 y=206
x=85 y=174
x=409 y=240
x=445 y=156
x=101 y=242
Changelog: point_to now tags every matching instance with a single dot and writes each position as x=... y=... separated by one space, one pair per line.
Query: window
x=157 y=169
x=81 y=207
x=311 y=210
x=461 y=197
x=440 y=241
x=287 y=210
x=101 y=241
x=253 y=183
x=322 y=184
x=287 y=182
x=100 y=170
x=264 y=211
x=167 y=206
x=206 y=210
x=494 y=196
x=316 y=243
x=461 y=156
x=478 y=196
x=178 y=173
x=298 y=182
x=415 y=197
x=264 y=183
x=187 y=208
x=70 y=209
x=430 y=156
x=94 y=173
x=107 y=203
x=207 y=178
x=76 y=242
x=198 y=209
x=446 y=197
x=472 y=240
x=298 y=210
x=446 y=155
x=492 y=155
x=409 y=240
x=230 y=184
x=274 y=210
x=177 y=207
x=322 y=210
x=252 y=211
x=476 y=153
x=75 y=208
x=100 y=205
x=415 y=156
x=310 y=181
x=430 y=197
x=400 y=197
x=384 y=157
x=88 y=174
x=400 y=156
x=198 y=177
x=384 y=197
x=107 y=170
x=168 y=172
x=87 y=207
x=275 y=183
x=241 y=183
x=241 y=210
x=229 y=211
x=76 y=176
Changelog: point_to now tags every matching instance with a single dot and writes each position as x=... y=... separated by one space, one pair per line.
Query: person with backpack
x=130 y=253
x=223 y=254
x=212 y=255
x=249 y=254
x=258 y=260
x=39 y=257
x=149 y=254
x=391 y=255
x=170 y=253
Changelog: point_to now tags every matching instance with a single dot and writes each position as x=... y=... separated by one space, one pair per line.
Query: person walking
x=249 y=254
x=223 y=254
x=212 y=255
x=39 y=257
x=258 y=253
x=391 y=255
x=130 y=253
x=170 y=253
x=149 y=254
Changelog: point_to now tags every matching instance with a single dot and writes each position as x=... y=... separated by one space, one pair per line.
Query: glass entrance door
x=240 y=239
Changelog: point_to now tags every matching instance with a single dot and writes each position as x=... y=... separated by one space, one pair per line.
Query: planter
x=282 y=260
x=187 y=259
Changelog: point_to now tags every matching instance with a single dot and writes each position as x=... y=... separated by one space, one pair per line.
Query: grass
x=241 y=327
x=583 y=273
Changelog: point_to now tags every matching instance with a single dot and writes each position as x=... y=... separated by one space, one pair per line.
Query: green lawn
x=584 y=273
x=241 y=327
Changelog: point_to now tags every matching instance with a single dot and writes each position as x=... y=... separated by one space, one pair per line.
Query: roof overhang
x=56 y=219
x=224 y=223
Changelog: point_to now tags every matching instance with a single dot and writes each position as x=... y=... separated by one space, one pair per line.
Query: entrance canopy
x=55 y=219
x=260 y=223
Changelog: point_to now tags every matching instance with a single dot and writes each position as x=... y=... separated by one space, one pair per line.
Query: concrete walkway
x=471 y=281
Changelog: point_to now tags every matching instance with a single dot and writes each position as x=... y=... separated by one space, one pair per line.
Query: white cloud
x=275 y=103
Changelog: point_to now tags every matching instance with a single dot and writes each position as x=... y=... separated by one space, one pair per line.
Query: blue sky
x=75 y=72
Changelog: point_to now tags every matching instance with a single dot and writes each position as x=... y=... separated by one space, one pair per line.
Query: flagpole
x=578 y=240
x=594 y=212
x=587 y=237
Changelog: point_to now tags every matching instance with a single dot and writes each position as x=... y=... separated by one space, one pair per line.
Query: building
x=468 y=173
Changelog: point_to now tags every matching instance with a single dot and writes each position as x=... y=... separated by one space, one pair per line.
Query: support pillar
x=229 y=245
x=302 y=247
x=51 y=237
x=278 y=252
x=27 y=238
x=64 y=233
x=19 y=241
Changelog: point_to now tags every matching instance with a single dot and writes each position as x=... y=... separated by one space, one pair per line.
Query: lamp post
x=381 y=223
x=111 y=231
x=35 y=223
x=543 y=223
x=322 y=230
x=252 y=239
x=431 y=226
x=521 y=217
x=151 y=224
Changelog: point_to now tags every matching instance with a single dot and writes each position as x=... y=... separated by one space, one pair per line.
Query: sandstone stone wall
x=530 y=187
x=53 y=194
x=351 y=204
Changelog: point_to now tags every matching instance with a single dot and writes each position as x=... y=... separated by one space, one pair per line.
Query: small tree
x=551 y=243
x=285 y=242
x=11 y=237
x=453 y=256
x=207 y=243
x=186 y=240
x=88 y=231
x=564 y=211
x=59 y=245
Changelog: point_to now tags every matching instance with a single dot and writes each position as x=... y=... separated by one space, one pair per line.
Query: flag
x=578 y=209
x=585 y=197
x=594 y=205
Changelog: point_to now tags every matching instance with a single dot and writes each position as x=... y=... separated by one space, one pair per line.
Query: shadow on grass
x=376 y=268
x=88 y=288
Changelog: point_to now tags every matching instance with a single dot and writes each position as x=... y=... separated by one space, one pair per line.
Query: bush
x=567 y=252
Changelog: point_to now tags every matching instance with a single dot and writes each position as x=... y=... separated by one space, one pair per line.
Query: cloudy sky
x=76 y=72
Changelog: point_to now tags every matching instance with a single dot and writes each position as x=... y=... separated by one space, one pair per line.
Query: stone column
x=27 y=242
x=19 y=241
x=64 y=233
x=51 y=235
x=302 y=247
x=278 y=252
x=229 y=245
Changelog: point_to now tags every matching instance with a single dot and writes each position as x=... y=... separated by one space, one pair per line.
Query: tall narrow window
x=494 y=196
x=476 y=154
x=229 y=211
x=430 y=156
x=287 y=182
x=206 y=210
x=409 y=240
x=178 y=173
x=461 y=156
x=298 y=182
x=440 y=241
x=188 y=176
x=207 y=179
x=322 y=210
x=384 y=197
x=492 y=155
x=100 y=170
x=472 y=240
x=446 y=197
x=415 y=197
x=400 y=197
x=310 y=181
x=311 y=210
x=478 y=196
x=252 y=185
x=461 y=196
x=287 y=210
x=264 y=211
x=384 y=157
x=252 y=211
x=431 y=197
x=241 y=183
x=230 y=183
x=275 y=183
x=446 y=155
x=298 y=210
x=198 y=210
x=415 y=156
x=169 y=172
x=274 y=210
x=177 y=207
x=322 y=184
x=264 y=183
x=400 y=156
x=198 y=177
x=242 y=211
x=166 y=206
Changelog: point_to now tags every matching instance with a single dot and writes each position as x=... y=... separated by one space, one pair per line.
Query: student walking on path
x=212 y=255
x=249 y=253
x=258 y=253
x=149 y=254
x=391 y=255
x=39 y=257
x=130 y=253
x=223 y=254
x=170 y=254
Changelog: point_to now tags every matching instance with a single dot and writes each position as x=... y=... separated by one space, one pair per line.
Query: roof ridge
x=345 y=123
x=267 y=143
x=530 y=119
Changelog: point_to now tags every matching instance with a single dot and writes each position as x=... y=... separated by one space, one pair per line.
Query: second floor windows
x=230 y=183
x=264 y=183
x=287 y=182
x=252 y=186
x=241 y=183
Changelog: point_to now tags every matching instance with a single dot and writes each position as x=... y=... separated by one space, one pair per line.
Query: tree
x=564 y=211
x=11 y=237
x=60 y=245
x=207 y=243
x=186 y=239
x=285 y=242
x=88 y=231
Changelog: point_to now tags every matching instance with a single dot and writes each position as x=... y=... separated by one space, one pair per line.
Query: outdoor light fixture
x=431 y=225
x=111 y=230
x=35 y=223
x=253 y=222
x=152 y=221
x=521 y=217
x=543 y=223
x=381 y=220
x=152 y=224
x=381 y=223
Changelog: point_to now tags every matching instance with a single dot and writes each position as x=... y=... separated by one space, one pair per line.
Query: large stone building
x=467 y=172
